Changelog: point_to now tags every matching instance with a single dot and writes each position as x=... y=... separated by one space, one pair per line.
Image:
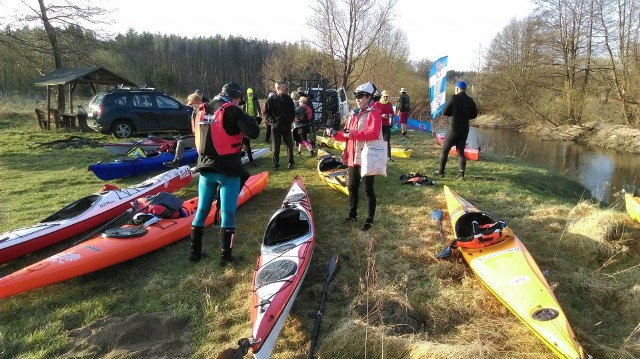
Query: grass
x=390 y=298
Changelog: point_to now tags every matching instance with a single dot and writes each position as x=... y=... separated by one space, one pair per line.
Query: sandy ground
x=154 y=335
x=613 y=137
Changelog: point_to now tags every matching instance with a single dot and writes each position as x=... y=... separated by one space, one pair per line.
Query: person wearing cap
x=365 y=124
x=220 y=165
x=251 y=108
x=280 y=111
x=460 y=108
x=188 y=141
x=403 y=106
x=386 y=113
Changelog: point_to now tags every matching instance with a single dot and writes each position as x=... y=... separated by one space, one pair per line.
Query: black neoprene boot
x=227 y=237
x=196 y=243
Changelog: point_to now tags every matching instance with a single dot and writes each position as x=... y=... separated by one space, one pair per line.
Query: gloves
x=330 y=132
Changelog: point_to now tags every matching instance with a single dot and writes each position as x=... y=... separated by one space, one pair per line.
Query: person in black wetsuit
x=460 y=108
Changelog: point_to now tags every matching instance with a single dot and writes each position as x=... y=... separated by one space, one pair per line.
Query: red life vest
x=211 y=138
x=485 y=235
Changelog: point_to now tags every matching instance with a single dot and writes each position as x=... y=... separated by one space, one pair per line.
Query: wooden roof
x=95 y=75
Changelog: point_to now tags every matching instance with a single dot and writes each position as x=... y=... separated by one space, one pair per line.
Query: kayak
x=414 y=124
x=338 y=145
x=103 y=251
x=632 y=205
x=86 y=213
x=129 y=167
x=284 y=259
x=472 y=154
x=333 y=171
x=154 y=161
x=257 y=153
x=147 y=145
x=509 y=272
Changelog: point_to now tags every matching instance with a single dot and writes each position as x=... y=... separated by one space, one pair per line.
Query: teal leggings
x=229 y=190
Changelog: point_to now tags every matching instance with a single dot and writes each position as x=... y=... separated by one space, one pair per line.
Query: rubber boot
x=196 y=243
x=227 y=237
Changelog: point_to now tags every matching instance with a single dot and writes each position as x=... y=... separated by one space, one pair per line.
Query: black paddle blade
x=446 y=252
x=437 y=215
x=333 y=266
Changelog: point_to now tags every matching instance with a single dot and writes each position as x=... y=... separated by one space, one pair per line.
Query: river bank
x=618 y=138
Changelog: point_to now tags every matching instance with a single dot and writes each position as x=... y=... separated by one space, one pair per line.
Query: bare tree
x=348 y=30
x=620 y=26
x=569 y=24
x=66 y=25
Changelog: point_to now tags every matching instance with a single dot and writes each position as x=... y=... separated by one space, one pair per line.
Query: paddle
x=437 y=216
x=333 y=266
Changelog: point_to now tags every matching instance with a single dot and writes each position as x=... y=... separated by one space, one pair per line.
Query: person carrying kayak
x=364 y=125
x=460 y=108
x=220 y=127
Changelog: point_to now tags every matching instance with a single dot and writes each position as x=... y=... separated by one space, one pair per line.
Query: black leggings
x=386 y=135
x=276 y=138
x=353 y=184
x=458 y=139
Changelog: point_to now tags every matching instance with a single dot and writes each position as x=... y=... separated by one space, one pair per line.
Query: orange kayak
x=100 y=252
x=472 y=154
x=509 y=272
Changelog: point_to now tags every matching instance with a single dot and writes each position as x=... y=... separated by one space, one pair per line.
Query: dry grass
x=390 y=299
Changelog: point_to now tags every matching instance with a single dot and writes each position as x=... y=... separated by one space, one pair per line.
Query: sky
x=460 y=29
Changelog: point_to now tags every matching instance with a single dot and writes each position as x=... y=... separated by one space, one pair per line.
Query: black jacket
x=461 y=108
x=234 y=121
x=279 y=109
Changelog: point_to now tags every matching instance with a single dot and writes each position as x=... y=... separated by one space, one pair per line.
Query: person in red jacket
x=386 y=113
x=365 y=124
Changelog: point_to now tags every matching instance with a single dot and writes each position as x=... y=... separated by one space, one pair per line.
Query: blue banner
x=438 y=86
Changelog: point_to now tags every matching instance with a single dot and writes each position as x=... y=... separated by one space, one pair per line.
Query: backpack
x=163 y=205
x=210 y=137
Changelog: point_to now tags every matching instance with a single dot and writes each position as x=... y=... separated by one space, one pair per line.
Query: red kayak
x=284 y=259
x=86 y=213
x=472 y=154
x=104 y=251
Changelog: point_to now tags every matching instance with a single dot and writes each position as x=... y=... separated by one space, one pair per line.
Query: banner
x=438 y=86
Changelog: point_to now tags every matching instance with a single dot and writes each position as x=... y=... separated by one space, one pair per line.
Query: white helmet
x=367 y=88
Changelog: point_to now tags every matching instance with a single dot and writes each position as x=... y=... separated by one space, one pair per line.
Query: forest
x=569 y=62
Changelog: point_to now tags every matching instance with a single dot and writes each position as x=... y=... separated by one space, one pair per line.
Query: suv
x=330 y=110
x=329 y=105
x=125 y=112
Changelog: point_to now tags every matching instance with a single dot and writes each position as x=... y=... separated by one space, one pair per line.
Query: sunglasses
x=385 y=96
x=359 y=95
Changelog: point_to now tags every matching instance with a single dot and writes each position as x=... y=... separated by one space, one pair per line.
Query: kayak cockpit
x=287 y=224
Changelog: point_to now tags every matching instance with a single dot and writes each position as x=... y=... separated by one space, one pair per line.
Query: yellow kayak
x=509 y=272
x=332 y=171
x=632 y=204
x=397 y=152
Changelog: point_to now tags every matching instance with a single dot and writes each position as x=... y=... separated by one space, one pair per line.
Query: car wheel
x=122 y=129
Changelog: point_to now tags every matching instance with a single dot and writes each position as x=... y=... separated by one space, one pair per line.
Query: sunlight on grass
x=390 y=297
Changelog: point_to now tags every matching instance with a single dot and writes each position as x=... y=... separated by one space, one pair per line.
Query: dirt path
x=154 y=335
x=603 y=135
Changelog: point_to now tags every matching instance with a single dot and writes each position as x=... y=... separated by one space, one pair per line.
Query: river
x=602 y=172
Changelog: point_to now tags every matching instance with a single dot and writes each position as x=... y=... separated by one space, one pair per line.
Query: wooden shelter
x=71 y=78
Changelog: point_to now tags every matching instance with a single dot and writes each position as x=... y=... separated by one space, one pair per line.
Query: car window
x=168 y=103
x=120 y=100
x=143 y=100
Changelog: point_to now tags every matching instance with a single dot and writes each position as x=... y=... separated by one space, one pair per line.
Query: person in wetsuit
x=460 y=108
x=220 y=165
